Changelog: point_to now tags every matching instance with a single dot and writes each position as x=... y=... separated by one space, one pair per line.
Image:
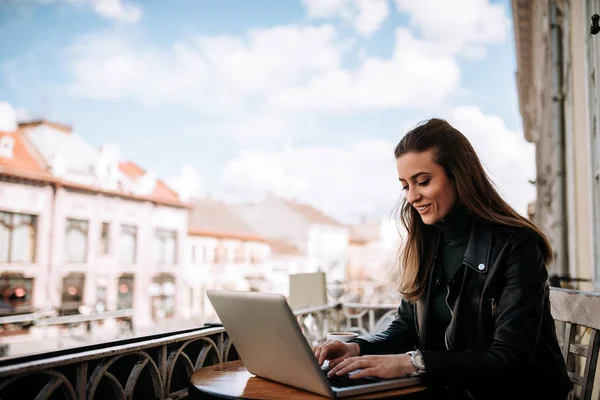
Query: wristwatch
x=416 y=359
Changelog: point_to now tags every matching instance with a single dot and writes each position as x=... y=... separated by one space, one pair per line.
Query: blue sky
x=302 y=98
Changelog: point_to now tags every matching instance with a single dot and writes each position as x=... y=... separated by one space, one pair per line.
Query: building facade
x=222 y=252
x=322 y=239
x=557 y=62
x=372 y=260
x=26 y=204
x=106 y=235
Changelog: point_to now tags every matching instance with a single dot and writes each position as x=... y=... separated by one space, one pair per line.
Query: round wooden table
x=231 y=380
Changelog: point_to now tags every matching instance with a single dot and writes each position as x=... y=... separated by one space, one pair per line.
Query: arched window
x=72 y=293
x=76 y=240
x=166 y=247
x=128 y=244
x=17 y=237
x=125 y=291
x=15 y=293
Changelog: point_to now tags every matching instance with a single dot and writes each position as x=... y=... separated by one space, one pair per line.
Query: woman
x=475 y=316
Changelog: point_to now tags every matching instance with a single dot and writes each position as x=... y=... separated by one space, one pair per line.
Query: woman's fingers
x=371 y=371
x=349 y=365
x=318 y=353
x=336 y=361
x=325 y=350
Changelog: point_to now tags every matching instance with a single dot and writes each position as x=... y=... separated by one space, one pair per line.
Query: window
x=204 y=255
x=255 y=257
x=128 y=244
x=72 y=293
x=193 y=255
x=220 y=254
x=105 y=238
x=166 y=247
x=239 y=253
x=17 y=237
x=125 y=292
x=16 y=292
x=162 y=296
x=76 y=240
x=100 y=305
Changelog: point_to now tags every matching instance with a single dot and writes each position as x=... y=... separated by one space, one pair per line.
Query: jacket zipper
x=446 y=333
x=451 y=314
x=493 y=305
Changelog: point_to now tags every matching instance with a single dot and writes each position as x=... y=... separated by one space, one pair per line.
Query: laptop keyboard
x=345 y=381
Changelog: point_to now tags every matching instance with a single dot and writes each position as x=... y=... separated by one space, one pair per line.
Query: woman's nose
x=412 y=196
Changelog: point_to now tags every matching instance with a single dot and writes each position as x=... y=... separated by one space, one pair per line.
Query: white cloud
x=509 y=158
x=366 y=16
x=187 y=184
x=417 y=75
x=285 y=69
x=256 y=128
x=110 y=9
x=360 y=177
x=8 y=117
x=461 y=26
x=117 y=10
x=209 y=73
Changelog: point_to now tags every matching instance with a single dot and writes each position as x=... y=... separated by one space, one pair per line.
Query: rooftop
x=213 y=218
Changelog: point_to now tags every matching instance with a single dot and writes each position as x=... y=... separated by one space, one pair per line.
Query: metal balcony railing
x=158 y=366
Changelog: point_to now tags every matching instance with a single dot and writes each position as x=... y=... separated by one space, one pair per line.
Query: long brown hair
x=452 y=151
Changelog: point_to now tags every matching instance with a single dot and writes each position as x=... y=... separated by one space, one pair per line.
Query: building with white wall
x=109 y=235
x=372 y=259
x=320 y=237
x=222 y=252
x=26 y=219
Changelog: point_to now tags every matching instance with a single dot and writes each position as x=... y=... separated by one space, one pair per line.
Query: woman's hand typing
x=384 y=366
x=336 y=351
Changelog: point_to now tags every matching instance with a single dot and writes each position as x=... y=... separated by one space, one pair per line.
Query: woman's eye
x=424 y=183
x=405 y=187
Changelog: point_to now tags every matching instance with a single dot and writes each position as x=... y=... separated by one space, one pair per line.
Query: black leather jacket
x=501 y=342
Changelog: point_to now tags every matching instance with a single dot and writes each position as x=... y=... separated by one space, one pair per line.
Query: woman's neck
x=457 y=224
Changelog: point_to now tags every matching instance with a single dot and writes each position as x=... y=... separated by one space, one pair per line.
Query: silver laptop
x=270 y=343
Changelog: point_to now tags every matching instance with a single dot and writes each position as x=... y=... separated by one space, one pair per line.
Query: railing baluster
x=81 y=376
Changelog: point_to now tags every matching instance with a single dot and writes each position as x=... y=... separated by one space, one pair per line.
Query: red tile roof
x=26 y=164
x=364 y=233
x=213 y=218
x=96 y=189
x=312 y=214
x=24 y=161
x=281 y=247
x=161 y=190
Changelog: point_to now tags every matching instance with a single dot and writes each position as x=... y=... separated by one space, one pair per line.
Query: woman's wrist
x=355 y=348
x=416 y=361
x=412 y=368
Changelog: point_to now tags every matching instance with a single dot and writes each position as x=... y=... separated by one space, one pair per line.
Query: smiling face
x=428 y=188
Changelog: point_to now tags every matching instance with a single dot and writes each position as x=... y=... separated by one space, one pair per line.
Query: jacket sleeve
x=399 y=337
x=517 y=326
